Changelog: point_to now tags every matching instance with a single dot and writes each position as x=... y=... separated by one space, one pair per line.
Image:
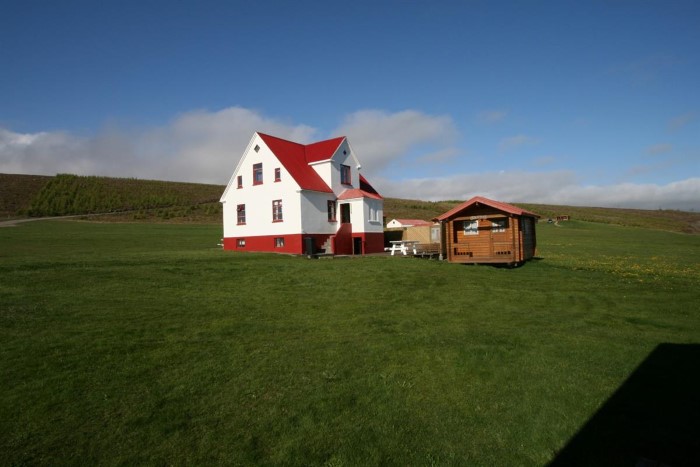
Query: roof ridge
x=500 y=205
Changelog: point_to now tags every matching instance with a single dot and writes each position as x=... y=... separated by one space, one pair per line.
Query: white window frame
x=499 y=225
x=471 y=227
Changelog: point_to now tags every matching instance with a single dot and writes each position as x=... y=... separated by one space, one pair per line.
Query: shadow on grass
x=653 y=419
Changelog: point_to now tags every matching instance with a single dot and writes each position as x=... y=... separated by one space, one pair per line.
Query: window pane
x=277 y=210
x=331 y=210
x=471 y=227
x=257 y=174
x=345 y=175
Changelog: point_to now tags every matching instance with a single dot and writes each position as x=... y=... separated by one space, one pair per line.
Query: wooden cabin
x=482 y=230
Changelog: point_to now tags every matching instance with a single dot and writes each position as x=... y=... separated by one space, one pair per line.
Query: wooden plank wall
x=488 y=246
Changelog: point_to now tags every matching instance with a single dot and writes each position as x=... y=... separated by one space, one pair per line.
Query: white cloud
x=557 y=187
x=198 y=146
x=204 y=146
x=380 y=138
x=517 y=141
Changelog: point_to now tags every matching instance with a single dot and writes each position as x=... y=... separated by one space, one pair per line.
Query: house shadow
x=652 y=420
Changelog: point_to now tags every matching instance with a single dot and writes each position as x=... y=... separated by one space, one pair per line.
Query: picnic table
x=403 y=246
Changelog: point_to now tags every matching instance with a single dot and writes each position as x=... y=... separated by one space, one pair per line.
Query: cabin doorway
x=345 y=213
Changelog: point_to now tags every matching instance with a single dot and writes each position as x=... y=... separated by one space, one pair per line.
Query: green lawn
x=147 y=344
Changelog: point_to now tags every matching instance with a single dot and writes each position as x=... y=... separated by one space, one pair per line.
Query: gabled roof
x=355 y=193
x=294 y=157
x=365 y=186
x=413 y=222
x=505 y=207
x=322 y=150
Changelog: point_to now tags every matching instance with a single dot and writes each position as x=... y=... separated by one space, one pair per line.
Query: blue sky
x=590 y=103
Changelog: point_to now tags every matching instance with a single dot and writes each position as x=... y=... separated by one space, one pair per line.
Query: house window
x=471 y=227
x=257 y=174
x=256 y=148
x=278 y=174
x=240 y=181
x=499 y=225
x=279 y=242
x=277 y=210
x=240 y=243
x=241 y=214
x=345 y=175
x=331 y=211
x=372 y=214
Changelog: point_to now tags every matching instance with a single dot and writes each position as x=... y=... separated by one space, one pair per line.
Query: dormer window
x=345 y=175
x=257 y=174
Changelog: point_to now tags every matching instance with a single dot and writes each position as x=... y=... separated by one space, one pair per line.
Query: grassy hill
x=123 y=198
x=17 y=193
x=129 y=199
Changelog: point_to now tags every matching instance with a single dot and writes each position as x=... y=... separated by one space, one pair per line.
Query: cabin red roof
x=505 y=207
x=294 y=158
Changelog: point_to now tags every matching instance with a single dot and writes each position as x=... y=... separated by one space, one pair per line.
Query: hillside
x=17 y=193
x=129 y=199
x=662 y=219
x=123 y=198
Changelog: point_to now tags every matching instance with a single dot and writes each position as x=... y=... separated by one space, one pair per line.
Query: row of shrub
x=68 y=194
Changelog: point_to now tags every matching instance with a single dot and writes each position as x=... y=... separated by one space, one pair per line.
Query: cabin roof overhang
x=480 y=200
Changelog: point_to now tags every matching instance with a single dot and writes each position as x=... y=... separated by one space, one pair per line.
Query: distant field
x=147 y=344
x=133 y=200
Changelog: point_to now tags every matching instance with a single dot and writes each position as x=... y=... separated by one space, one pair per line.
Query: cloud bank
x=554 y=187
x=204 y=147
x=197 y=146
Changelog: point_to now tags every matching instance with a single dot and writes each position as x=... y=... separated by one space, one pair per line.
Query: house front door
x=345 y=213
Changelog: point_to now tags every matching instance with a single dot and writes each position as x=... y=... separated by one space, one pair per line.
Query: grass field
x=146 y=344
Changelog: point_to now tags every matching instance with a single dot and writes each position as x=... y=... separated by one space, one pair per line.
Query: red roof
x=323 y=150
x=293 y=157
x=354 y=193
x=365 y=186
x=505 y=207
x=296 y=158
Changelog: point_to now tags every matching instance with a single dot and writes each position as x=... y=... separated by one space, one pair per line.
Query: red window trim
x=278 y=175
x=240 y=182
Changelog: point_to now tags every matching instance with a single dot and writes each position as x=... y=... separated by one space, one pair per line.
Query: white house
x=289 y=197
